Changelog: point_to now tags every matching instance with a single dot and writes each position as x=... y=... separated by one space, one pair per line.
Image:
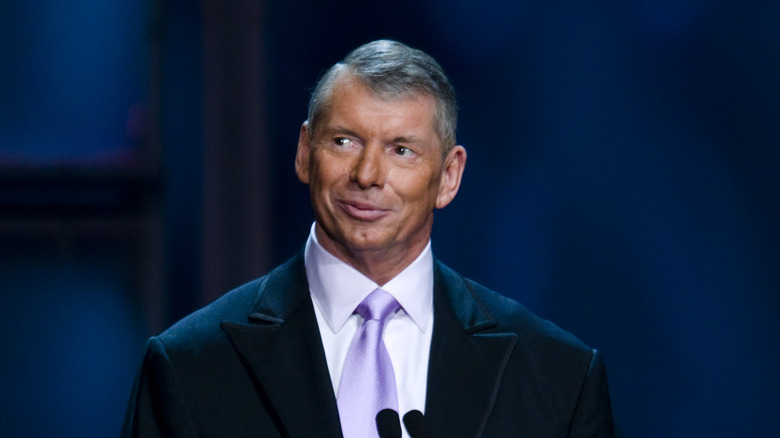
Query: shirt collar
x=337 y=288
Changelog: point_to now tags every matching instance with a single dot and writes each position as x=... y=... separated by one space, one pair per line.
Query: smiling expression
x=376 y=173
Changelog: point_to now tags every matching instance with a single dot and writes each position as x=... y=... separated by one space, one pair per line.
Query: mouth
x=363 y=211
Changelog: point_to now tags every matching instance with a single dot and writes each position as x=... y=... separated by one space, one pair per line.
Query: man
x=365 y=319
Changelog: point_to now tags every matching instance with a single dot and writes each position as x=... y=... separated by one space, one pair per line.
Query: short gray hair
x=392 y=70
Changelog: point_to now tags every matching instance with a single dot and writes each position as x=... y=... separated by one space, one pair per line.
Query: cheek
x=329 y=171
x=325 y=184
x=418 y=192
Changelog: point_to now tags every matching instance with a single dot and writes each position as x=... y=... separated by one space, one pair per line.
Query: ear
x=302 y=155
x=451 y=175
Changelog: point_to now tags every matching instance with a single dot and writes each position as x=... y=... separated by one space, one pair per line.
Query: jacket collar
x=280 y=344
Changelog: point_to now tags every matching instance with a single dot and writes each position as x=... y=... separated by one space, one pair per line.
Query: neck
x=379 y=265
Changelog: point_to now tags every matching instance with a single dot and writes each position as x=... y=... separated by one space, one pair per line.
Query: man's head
x=392 y=70
x=375 y=164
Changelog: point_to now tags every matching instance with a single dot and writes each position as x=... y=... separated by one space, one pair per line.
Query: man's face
x=376 y=172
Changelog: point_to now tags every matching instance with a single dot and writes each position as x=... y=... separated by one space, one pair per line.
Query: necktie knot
x=378 y=305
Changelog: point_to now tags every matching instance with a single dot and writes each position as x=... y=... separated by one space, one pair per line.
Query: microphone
x=387 y=424
x=415 y=424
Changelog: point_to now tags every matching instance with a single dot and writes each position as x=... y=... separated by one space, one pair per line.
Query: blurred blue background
x=622 y=181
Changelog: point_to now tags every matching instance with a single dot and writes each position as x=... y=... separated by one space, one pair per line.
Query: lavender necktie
x=368 y=382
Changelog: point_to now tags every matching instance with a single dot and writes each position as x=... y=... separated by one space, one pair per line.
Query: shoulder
x=514 y=316
x=510 y=316
x=202 y=326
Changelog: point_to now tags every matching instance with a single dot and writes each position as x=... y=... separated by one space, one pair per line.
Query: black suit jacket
x=252 y=364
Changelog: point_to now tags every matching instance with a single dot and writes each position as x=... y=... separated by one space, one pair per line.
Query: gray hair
x=392 y=70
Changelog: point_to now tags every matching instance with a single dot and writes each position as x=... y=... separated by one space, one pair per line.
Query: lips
x=363 y=211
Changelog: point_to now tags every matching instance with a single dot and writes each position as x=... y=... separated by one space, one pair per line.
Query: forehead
x=352 y=101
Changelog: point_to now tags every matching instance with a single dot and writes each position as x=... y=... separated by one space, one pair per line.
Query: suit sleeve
x=156 y=407
x=593 y=415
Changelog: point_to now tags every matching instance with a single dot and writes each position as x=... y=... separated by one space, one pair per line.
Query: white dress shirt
x=336 y=290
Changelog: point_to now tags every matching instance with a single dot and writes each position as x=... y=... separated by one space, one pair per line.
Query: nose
x=369 y=168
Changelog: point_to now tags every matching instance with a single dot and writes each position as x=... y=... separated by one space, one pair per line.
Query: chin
x=361 y=243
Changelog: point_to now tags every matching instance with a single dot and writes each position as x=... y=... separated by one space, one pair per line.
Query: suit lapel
x=467 y=359
x=281 y=347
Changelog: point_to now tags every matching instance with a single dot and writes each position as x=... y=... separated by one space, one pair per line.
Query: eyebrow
x=408 y=140
x=338 y=129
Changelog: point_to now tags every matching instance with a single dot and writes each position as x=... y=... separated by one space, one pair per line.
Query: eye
x=342 y=141
x=403 y=151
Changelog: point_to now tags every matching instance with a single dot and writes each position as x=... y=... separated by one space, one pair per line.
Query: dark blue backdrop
x=622 y=181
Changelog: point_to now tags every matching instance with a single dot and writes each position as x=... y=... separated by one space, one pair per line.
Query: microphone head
x=388 y=425
x=415 y=424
